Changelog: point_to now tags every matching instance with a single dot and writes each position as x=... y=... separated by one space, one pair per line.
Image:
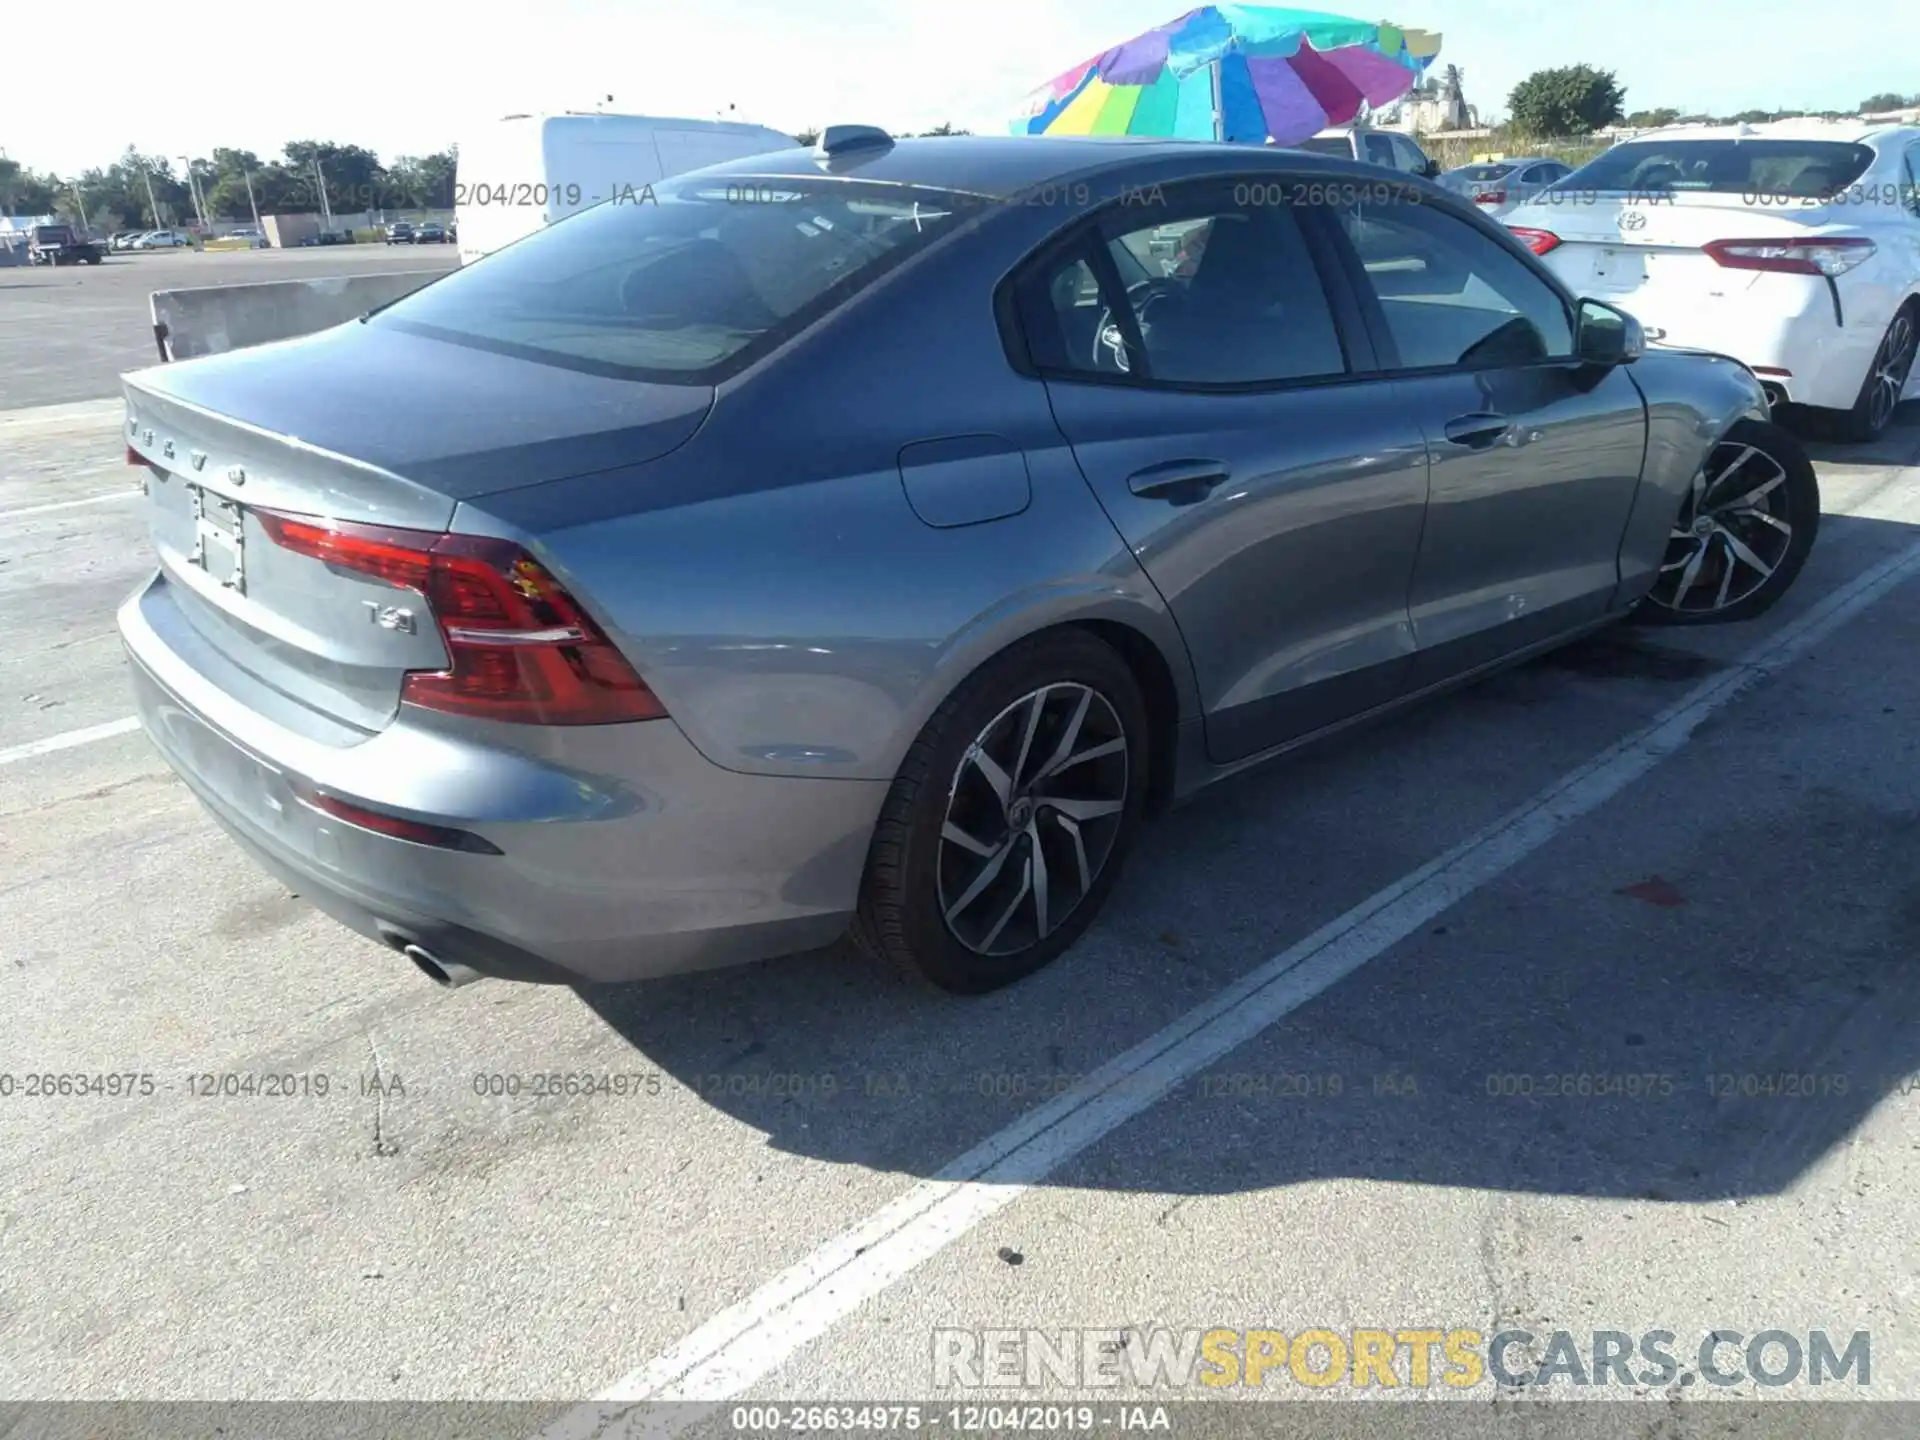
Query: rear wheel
x=1005 y=829
x=1744 y=530
x=1886 y=379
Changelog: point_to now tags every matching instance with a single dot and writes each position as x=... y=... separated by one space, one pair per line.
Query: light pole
x=326 y=209
x=193 y=189
x=152 y=208
x=252 y=204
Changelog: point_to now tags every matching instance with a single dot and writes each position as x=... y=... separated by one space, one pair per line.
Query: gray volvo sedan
x=870 y=537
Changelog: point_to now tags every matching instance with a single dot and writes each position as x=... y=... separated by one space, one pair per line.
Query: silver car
x=1501 y=185
x=872 y=537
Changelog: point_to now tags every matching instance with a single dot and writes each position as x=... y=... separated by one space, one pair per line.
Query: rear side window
x=685 y=281
x=1328 y=145
x=1791 y=169
x=1451 y=296
x=1220 y=294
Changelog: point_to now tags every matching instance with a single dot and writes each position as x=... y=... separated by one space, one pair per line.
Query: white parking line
x=750 y=1339
x=68 y=504
x=68 y=740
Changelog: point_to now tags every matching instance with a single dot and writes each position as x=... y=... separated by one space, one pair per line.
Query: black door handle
x=1181 y=481
x=1478 y=432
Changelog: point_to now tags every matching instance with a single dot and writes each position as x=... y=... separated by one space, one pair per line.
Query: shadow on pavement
x=1733 y=982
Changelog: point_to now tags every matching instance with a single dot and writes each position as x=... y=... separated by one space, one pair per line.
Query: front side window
x=1453 y=297
x=1380 y=151
x=1412 y=159
x=684 y=281
x=1220 y=294
x=1789 y=169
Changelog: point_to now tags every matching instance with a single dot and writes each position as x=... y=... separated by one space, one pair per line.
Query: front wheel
x=1006 y=826
x=1744 y=530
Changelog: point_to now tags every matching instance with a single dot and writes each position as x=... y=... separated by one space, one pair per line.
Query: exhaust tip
x=448 y=974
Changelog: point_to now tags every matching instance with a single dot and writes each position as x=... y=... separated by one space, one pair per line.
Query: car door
x=1211 y=402
x=1535 y=456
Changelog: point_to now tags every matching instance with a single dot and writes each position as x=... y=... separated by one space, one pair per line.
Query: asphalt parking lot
x=1319 y=1067
x=68 y=331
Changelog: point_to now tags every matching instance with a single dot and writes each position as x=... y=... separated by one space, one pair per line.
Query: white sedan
x=1794 y=247
x=161 y=240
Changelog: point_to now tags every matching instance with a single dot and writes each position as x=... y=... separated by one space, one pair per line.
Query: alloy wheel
x=1733 y=532
x=1891 y=367
x=1036 y=803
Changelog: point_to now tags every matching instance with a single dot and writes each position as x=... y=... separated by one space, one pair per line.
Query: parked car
x=123 y=239
x=255 y=238
x=1387 y=148
x=430 y=234
x=161 y=240
x=1794 y=246
x=400 y=232
x=1499 y=185
x=576 y=651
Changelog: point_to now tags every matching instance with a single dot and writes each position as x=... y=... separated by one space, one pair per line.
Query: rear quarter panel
x=1692 y=400
x=771 y=580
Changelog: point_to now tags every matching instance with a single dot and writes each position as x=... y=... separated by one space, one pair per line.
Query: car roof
x=997 y=164
x=1859 y=132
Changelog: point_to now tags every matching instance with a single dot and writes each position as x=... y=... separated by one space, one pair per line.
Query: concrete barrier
x=213 y=319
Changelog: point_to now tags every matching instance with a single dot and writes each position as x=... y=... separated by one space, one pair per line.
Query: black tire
x=902 y=917
x=1872 y=414
x=1724 y=588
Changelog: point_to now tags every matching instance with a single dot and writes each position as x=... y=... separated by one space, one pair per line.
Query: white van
x=526 y=171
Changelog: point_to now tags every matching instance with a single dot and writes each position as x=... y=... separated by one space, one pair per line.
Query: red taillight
x=1491 y=197
x=1833 y=255
x=1538 y=241
x=134 y=457
x=522 y=649
x=419 y=832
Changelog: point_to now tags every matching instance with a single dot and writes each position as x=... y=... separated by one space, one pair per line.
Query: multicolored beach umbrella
x=1248 y=73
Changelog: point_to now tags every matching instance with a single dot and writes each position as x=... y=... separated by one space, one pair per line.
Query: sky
x=406 y=79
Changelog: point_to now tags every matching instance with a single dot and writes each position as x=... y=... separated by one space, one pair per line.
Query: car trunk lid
x=1615 y=247
x=366 y=426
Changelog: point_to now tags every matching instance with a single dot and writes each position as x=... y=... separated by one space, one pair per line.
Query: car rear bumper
x=1795 y=344
x=626 y=857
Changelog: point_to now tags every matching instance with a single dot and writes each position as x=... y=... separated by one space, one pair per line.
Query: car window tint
x=1453 y=296
x=1380 y=150
x=1412 y=160
x=1230 y=297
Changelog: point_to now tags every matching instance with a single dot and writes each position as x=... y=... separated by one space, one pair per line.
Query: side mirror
x=1607 y=336
x=1431 y=170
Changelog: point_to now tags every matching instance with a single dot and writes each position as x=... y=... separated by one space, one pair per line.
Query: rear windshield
x=1328 y=145
x=1799 y=169
x=1478 y=173
x=51 y=232
x=685 y=281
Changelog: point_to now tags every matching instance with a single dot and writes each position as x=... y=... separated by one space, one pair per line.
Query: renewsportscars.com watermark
x=1414 y=1358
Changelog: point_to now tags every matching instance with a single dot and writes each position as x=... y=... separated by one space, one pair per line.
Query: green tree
x=1572 y=100
x=943 y=128
x=807 y=137
x=353 y=174
x=24 y=192
x=1887 y=100
x=1652 y=119
x=421 y=182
